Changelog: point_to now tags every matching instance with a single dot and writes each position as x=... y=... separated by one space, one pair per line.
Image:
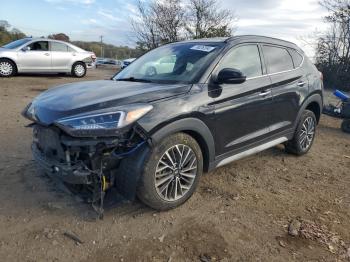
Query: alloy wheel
x=6 y=68
x=307 y=133
x=175 y=173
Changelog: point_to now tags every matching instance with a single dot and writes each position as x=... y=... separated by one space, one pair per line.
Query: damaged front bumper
x=94 y=164
x=67 y=173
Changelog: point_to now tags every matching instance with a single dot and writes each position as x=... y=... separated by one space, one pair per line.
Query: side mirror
x=230 y=76
x=26 y=48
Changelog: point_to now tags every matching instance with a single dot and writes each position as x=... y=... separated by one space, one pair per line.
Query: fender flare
x=315 y=97
x=190 y=125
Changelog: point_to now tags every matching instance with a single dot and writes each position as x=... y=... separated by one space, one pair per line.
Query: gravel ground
x=240 y=212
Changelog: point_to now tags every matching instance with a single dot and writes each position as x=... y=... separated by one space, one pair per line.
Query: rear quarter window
x=297 y=58
x=278 y=59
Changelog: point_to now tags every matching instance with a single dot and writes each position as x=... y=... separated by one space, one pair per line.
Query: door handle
x=47 y=54
x=265 y=93
x=302 y=83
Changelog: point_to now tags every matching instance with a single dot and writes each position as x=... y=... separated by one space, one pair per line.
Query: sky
x=293 y=20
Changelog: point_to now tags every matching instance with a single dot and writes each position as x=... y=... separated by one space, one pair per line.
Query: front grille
x=48 y=142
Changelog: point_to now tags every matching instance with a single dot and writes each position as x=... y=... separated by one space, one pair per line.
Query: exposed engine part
x=88 y=166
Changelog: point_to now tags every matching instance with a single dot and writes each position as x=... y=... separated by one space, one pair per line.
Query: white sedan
x=41 y=55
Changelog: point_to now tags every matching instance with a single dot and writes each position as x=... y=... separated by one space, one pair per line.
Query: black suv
x=176 y=112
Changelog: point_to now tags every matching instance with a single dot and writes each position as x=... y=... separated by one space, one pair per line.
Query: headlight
x=103 y=123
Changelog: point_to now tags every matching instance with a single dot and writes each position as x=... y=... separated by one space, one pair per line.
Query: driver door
x=243 y=111
x=35 y=57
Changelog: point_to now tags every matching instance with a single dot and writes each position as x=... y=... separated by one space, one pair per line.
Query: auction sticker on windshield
x=203 y=48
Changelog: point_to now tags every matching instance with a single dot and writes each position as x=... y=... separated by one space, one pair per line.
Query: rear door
x=61 y=57
x=243 y=111
x=35 y=57
x=289 y=84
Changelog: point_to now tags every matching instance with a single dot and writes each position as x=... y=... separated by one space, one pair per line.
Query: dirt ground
x=240 y=212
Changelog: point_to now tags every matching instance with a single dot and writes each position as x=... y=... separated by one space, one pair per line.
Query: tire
x=7 y=68
x=156 y=189
x=345 y=126
x=304 y=135
x=79 y=69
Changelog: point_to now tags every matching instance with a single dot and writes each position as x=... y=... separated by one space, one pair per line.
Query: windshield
x=16 y=43
x=174 y=63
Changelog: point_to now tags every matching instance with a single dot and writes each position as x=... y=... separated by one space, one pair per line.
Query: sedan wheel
x=79 y=70
x=6 y=68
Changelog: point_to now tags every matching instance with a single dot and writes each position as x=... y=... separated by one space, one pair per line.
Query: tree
x=159 y=22
x=169 y=19
x=9 y=34
x=144 y=26
x=60 y=36
x=206 y=20
x=333 y=47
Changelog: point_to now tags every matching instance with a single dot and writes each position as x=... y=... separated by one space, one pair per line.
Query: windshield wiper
x=133 y=79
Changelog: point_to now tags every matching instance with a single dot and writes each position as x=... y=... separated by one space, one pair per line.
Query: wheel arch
x=197 y=129
x=80 y=62
x=314 y=103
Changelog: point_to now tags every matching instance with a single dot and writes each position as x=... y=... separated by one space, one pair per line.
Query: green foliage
x=7 y=34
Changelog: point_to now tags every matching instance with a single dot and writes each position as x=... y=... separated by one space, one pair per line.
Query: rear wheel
x=345 y=125
x=304 y=135
x=79 y=69
x=7 y=68
x=171 y=173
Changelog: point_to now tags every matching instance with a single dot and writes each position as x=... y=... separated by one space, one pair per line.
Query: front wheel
x=79 y=69
x=304 y=135
x=7 y=68
x=345 y=126
x=171 y=173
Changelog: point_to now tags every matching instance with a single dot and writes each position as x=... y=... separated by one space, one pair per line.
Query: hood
x=83 y=97
x=4 y=49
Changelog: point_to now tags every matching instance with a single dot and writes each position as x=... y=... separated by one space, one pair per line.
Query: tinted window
x=58 y=47
x=39 y=46
x=244 y=58
x=17 y=43
x=278 y=59
x=297 y=58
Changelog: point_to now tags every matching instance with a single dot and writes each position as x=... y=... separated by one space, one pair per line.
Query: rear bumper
x=75 y=174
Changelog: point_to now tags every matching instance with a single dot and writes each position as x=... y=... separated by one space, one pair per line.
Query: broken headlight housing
x=103 y=123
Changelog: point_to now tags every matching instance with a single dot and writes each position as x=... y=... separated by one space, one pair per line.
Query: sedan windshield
x=173 y=63
x=16 y=43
